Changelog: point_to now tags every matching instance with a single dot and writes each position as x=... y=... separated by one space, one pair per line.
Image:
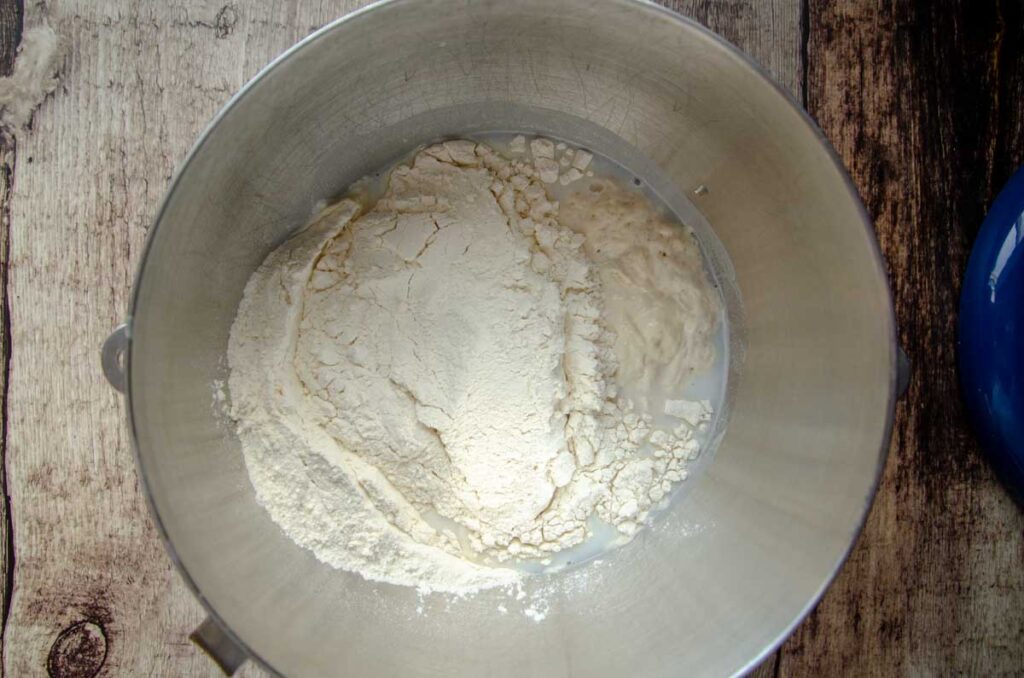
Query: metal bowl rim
x=664 y=13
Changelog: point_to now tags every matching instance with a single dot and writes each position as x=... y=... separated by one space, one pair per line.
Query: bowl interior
x=741 y=556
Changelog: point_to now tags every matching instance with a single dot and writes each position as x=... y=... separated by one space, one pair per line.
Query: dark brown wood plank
x=11 y=12
x=922 y=101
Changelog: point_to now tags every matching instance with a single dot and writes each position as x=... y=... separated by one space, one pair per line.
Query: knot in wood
x=78 y=652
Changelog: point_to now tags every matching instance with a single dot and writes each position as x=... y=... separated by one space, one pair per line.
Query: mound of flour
x=431 y=388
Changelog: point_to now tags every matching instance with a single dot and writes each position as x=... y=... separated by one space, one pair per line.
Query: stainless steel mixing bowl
x=741 y=557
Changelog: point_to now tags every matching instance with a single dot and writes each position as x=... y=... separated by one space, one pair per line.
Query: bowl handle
x=112 y=357
x=223 y=649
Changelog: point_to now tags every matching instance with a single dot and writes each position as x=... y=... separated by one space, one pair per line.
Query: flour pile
x=435 y=387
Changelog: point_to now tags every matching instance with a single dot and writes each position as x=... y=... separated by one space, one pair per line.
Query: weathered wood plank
x=92 y=584
x=922 y=101
x=10 y=36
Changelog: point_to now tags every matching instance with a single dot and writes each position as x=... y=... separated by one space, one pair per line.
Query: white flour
x=431 y=389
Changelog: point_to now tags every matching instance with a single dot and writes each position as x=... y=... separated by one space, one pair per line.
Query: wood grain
x=922 y=101
x=10 y=36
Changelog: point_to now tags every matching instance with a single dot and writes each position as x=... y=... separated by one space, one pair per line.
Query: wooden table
x=921 y=99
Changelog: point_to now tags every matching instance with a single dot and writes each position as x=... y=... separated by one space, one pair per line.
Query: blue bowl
x=991 y=335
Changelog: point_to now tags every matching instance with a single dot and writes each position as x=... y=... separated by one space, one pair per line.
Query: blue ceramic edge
x=990 y=329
